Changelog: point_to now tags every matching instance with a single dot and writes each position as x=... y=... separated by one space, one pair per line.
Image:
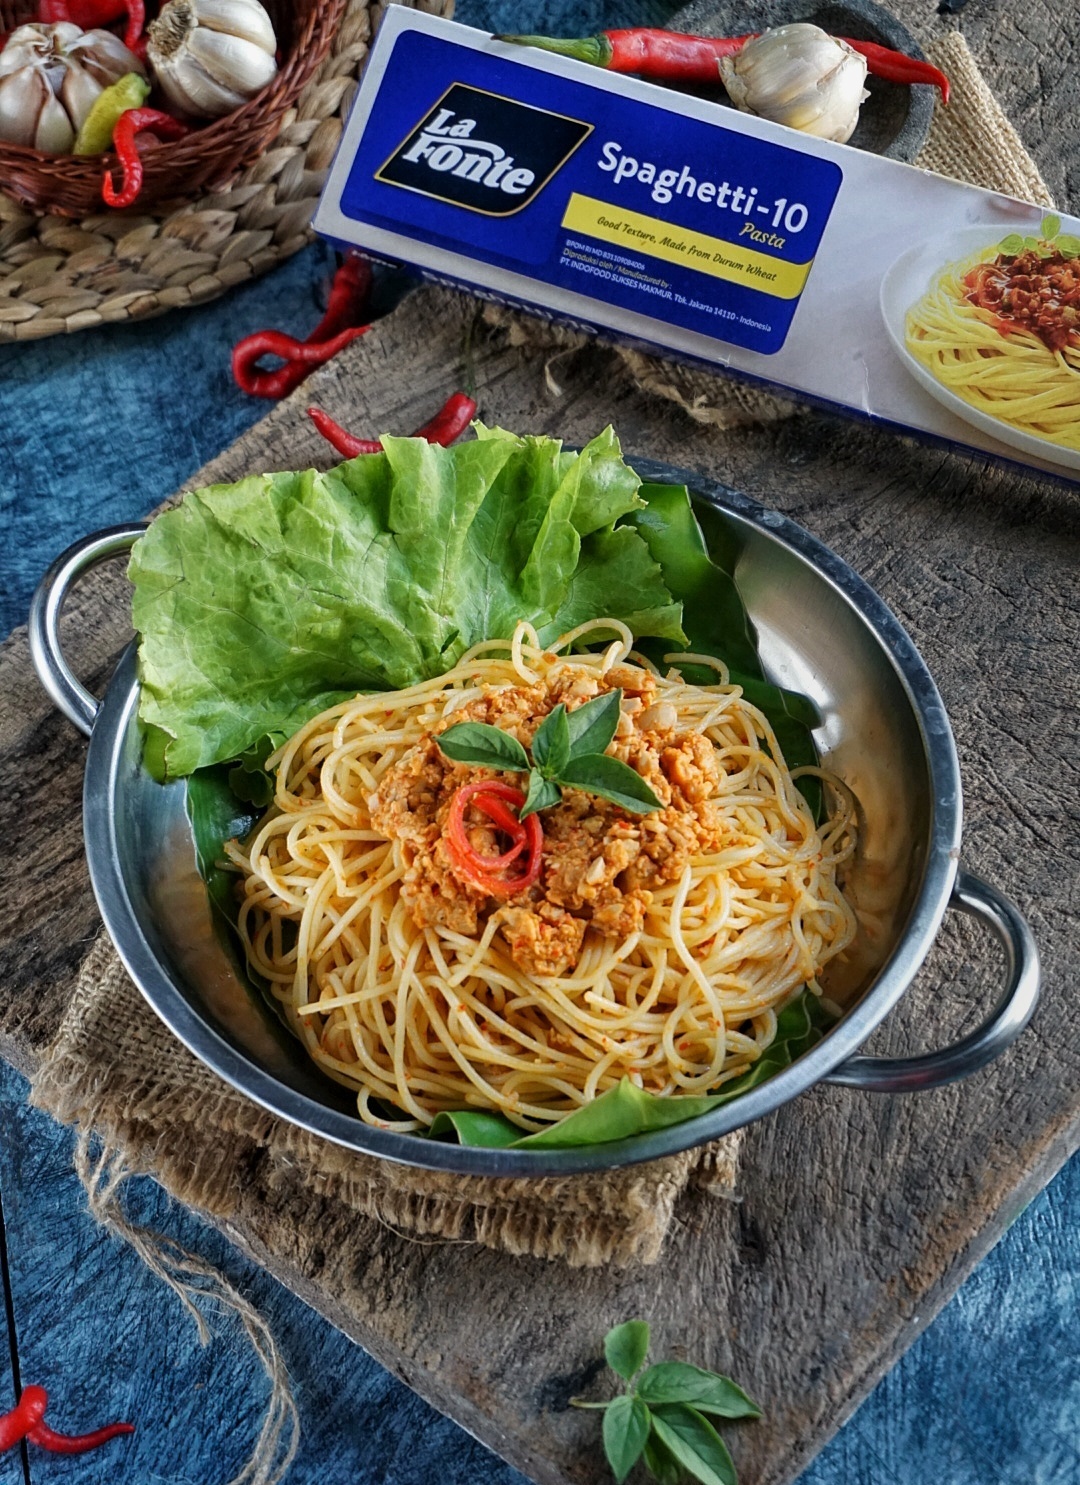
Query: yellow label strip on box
x=712 y=255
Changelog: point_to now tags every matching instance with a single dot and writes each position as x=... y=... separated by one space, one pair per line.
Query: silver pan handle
x=54 y=673
x=1004 y=1024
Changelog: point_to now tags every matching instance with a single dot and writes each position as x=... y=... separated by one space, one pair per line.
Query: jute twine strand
x=190 y=1278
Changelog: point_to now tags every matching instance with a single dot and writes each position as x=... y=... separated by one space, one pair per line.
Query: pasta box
x=685 y=227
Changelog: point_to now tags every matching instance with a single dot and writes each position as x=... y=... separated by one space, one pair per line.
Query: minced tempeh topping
x=600 y=862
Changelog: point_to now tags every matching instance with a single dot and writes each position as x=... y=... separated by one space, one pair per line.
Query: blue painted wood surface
x=108 y=1340
x=11 y=1463
x=989 y=1396
x=98 y=428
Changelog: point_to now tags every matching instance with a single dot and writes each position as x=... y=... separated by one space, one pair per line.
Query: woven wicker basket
x=70 y=185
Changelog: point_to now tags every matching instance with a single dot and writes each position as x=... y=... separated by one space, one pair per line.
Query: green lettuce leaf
x=261 y=603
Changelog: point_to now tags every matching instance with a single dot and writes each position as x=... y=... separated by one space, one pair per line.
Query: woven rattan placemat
x=58 y=275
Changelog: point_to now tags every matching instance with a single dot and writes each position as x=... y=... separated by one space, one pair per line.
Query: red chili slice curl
x=490 y=796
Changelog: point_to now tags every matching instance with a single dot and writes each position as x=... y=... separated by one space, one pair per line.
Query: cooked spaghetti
x=1002 y=331
x=657 y=946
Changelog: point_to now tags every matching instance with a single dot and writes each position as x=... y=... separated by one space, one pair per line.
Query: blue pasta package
x=681 y=225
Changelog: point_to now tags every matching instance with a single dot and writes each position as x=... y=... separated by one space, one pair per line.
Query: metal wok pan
x=822 y=631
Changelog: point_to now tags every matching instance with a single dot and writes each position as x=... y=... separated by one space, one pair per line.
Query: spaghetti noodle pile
x=1003 y=334
x=656 y=946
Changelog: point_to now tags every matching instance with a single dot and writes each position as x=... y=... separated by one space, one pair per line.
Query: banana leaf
x=716 y=622
x=626 y=1110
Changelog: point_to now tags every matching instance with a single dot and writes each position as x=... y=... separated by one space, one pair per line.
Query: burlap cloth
x=114 y=1068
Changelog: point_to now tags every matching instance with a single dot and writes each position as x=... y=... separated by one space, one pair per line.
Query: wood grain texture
x=858 y=1217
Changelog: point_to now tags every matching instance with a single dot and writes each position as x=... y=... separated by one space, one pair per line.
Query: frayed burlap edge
x=116 y=1069
x=971 y=141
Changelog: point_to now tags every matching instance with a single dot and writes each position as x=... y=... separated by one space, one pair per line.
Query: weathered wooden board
x=857 y=1216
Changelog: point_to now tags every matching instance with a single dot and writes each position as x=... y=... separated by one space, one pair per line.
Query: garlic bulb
x=801 y=76
x=50 y=77
x=210 y=56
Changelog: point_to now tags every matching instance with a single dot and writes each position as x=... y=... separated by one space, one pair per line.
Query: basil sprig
x=568 y=750
x=661 y=1416
x=1053 y=240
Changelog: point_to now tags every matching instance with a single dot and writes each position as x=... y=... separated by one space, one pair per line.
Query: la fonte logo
x=479 y=150
x=447 y=145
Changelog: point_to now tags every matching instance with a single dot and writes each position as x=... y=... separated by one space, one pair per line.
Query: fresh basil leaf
x=695 y=1443
x=709 y=1392
x=543 y=793
x=593 y=725
x=1011 y=245
x=611 y=779
x=1068 y=245
x=1051 y=226
x=626 y=1427
x=626 y=1346
x=551 y=743
x=475 y=1127
x=660 y=1461
x=483 y=746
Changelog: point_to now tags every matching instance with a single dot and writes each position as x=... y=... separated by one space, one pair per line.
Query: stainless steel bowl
x=822 y=631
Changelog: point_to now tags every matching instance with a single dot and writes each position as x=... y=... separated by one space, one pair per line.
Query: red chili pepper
x=79 y=1443
x=299 y=357
x=94 y=14
x=486 y=872
x=671 y=56
x=136 y=20
x=882 y=61
x=347 y=309
x=448 y=423
x=339 y=438
x=26 y=1414
x=26 y=1421
x=349 y=300
x=134 y=121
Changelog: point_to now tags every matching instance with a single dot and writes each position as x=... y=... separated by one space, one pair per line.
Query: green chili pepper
x=96 y=134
